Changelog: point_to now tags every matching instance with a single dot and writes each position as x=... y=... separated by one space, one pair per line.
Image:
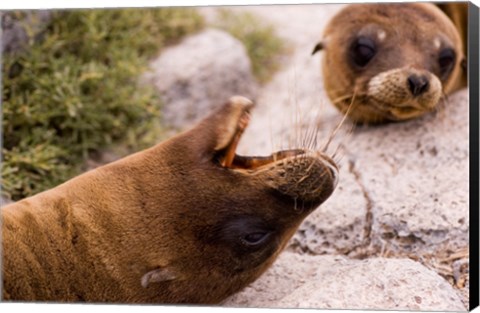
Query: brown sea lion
x=187 y=221
x=393 y=62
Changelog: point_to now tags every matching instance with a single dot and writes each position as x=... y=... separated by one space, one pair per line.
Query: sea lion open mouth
x=228 y=158
x=298 y=173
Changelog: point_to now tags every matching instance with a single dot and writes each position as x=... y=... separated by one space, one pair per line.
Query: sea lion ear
x=319 y=46
x=220 y=129
x=233 y=118
x=157 y=275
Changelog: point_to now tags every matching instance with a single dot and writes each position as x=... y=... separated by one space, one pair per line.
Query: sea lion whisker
x=341 y=98
x=348 y=134
x=348 y=97
x=316 y=130
x=311 y=133
x=338 y=159
x=315 y=139
x=332 y=135
x=298 y=128
x=309 y=137
x=334 y=156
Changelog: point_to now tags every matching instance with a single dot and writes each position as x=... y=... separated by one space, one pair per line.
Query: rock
x=14 y=30
x=336 y=282
x=200 y=74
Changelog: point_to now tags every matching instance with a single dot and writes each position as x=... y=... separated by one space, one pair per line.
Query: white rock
x=200 y=74
x=335 y=282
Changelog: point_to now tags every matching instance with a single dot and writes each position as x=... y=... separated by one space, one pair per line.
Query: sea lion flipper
x=157 y=275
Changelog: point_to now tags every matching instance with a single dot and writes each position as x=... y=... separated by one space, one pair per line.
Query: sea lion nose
x=417 y=84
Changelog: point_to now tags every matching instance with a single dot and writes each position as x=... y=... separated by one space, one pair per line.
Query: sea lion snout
x=308 y=178
x=404 y=93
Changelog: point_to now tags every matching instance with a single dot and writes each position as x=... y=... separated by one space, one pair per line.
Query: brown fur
x=405 y=36
x=165 y=225
x=458 y=14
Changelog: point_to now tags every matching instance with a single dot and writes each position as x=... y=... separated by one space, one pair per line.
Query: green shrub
x=263 y=45
x=74 y=91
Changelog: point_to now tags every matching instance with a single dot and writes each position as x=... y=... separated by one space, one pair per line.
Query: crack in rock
x=367 y=231
x=365 y=248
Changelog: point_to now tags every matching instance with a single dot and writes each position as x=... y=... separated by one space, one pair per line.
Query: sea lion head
x=230 y=215
x=392 y=62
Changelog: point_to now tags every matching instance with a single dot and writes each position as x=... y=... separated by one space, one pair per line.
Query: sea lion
x=186 y=221
x=393 y=62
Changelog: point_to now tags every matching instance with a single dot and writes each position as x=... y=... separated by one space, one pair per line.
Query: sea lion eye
x=362 y=51
x=246 y=233
x=446 y=60
x=255 y=238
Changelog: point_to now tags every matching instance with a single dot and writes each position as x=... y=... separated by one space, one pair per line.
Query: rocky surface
x=336 y=282
x=199 y=74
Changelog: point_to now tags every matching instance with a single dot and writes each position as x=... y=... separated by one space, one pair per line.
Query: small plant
x=74 y=90
x=263 y=45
